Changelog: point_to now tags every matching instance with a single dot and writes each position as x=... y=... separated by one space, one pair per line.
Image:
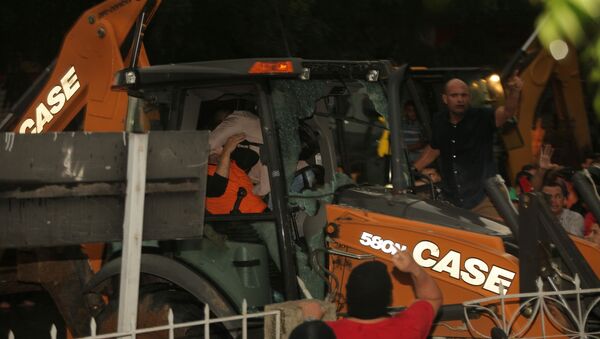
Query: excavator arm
x=564 y=78
x=79 y=82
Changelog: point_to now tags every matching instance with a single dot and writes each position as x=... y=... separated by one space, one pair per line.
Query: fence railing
x=575 y=307
x=171 y=326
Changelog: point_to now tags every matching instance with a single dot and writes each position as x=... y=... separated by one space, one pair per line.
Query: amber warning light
x=266 y=67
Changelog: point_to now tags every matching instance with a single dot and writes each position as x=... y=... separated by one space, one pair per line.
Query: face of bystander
x=557 y=199
x=594 y=235
x=411 y=114
x=457 y=96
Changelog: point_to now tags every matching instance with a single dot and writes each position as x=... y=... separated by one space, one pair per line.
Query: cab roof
x=248 y=68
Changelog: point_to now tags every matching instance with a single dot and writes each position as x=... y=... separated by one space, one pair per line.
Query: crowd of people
x=462 y=144
x=555 y=181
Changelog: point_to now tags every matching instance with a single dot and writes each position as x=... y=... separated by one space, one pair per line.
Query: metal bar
x=287 y=252
x=247 y=217
x=350 y=255
x=139 y=34
x=171 y=319
x=397 y=158
x=207 y=323
x=132 y=232
x=245 y=319
x=174 y=326
x=278 y=325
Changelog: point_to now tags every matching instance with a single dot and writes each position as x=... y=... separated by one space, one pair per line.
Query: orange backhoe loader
x=325 y=115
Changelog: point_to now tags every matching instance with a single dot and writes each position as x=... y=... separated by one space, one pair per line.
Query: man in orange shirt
x=229 y=189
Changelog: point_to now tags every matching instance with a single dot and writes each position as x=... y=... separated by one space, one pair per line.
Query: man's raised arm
x=512 y=95
x=425 y=287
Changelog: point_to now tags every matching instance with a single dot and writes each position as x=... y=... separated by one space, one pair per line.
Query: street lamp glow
x=559 y=49
x=494 y=78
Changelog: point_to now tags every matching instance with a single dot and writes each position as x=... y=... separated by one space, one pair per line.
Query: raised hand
x=514 y=84
x=546 y=157
x=232 y=142
x=405 y=262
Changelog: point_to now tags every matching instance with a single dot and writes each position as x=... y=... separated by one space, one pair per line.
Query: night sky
x=425 y=33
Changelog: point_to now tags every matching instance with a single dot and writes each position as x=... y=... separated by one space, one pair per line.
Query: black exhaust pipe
x=498 y=194
x=587 y=192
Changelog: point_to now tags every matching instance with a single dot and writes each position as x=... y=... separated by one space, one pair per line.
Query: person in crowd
x=230 y=122
x=462 y=137
x=412 y=131
x=369 y=293
x=229 y=188
x=550 y=172
x=590 y=158
x=523 y=182
x=592 y=229
x=571 y=221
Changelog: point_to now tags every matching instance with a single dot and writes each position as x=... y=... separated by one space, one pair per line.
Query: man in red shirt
x=369 y=293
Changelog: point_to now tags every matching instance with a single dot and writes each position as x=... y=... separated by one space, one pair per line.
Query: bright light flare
x=559 y=49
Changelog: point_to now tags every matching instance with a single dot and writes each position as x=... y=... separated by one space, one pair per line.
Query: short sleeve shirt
x=413 y=323
x=572 y=222
x=466 y=154
x=413 y=134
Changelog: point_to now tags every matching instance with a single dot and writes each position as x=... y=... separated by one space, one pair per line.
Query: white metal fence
x=170 y=327
x=575 y=306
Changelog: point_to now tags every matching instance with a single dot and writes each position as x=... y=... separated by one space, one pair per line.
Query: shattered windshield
x=356 y=114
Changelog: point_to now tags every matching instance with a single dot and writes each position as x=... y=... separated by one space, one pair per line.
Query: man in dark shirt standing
x=462 y=136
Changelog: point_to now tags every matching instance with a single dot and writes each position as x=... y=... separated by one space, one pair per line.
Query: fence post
x=245 y=319
x=278 y=325
x=170 y=318
x=132 y=231
x=53 y=331
x=206 y=324
x=93 y=326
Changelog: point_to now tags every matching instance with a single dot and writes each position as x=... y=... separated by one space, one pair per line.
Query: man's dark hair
x=314 y=329
x=369 y=291
x=519 y=180
x=528 y=167
x=558 y=182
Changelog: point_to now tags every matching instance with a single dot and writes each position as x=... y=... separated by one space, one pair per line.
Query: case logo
x=55 y=102
x=472 y=271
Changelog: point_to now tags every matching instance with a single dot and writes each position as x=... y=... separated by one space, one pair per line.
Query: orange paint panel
x=590 y=251
x=465 y=265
